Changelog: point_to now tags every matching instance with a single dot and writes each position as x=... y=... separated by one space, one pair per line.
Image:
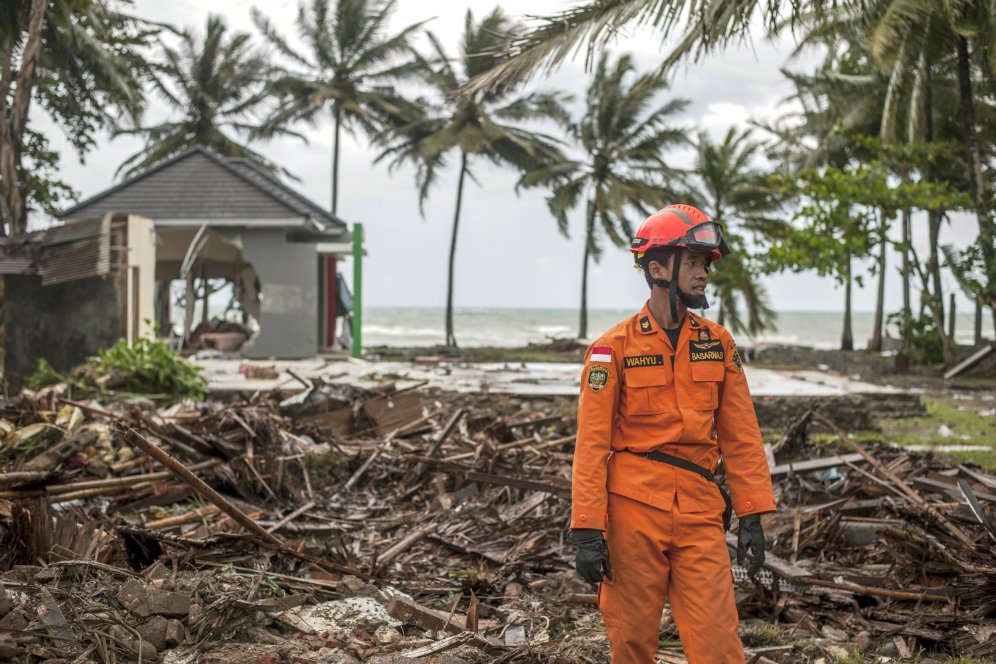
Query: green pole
x=358 y=290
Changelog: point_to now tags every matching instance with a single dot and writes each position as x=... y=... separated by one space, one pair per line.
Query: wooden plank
x=951 y=486
x=976 y=508
x=290 y=517
x=393 y=411
x=550 y=485
x=969 y=362
x=340 y=420
x=815 y=464
x=987 y=480
x=777 y=565
x=878 y=592
x=556 y=485
x=915 y=498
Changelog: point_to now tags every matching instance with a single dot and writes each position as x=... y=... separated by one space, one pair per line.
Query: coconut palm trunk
x=588 y=240
x=847 y=338
x=450 y=338
x=875 y=344
x=977 y=185
x=935 y=300
x=337 y=119
x=906 y=269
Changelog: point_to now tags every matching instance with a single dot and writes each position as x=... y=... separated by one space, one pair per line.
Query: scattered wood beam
x=915 y=498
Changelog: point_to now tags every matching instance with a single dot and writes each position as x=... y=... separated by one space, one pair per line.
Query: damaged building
x=223 y=218
x=209 y=217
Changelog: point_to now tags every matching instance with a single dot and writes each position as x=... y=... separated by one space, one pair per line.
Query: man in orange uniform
x=663 y=397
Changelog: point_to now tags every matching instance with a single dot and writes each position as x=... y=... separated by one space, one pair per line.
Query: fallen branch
x=915 y=498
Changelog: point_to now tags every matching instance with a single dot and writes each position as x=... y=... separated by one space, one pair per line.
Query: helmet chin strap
x=674 y=292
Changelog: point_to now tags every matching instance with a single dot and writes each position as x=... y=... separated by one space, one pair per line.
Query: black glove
x=750 y=537
x=592 y=560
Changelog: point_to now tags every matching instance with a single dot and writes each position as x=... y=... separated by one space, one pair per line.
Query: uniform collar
x=646 y=324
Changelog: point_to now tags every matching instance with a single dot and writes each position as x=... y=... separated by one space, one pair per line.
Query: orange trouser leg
x=633 y=601
x=701 y=590
x=655 y=554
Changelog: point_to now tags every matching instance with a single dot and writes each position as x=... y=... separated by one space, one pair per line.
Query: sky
x=510 y=252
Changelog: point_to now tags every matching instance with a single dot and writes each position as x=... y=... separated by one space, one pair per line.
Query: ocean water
x=424 y=326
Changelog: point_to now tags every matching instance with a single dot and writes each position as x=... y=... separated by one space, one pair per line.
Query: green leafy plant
x=924 y=342
x=148 y=366
x=44 y=375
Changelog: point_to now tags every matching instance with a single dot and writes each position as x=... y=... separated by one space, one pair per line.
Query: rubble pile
x=401 y=524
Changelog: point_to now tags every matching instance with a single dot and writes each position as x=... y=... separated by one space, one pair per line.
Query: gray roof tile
x=201 y=185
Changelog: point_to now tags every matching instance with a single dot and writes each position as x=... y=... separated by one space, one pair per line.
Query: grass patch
x=949 y=421
x=759 y=634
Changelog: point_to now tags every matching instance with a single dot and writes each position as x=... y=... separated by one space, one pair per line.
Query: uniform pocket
x=706 y=377
x=645 y=389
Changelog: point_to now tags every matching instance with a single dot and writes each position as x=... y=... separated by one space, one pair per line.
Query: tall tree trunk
x=875 y=344
x=14 y=119
x=906 y=240
x=935 y=300
x=977 y=183
x=589 y=233
x=450 y=338
x=337 y=113
x=847 y=338
x=978 y=322
x=951 y=319
x=934 y=261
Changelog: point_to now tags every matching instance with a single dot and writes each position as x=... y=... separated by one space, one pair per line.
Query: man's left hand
x=750 y=538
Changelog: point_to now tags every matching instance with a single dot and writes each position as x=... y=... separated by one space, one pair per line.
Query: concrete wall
x=288 y=276
x=141 y=277
x=63 y=323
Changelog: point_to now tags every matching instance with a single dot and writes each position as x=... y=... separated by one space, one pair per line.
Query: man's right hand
x=592 y=560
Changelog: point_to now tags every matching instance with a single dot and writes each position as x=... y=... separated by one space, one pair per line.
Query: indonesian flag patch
x=601 y=354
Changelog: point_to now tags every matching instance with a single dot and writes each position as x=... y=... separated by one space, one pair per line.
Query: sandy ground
x=539 y=378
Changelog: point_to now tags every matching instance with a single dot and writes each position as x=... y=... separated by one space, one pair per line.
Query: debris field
x=401 y=524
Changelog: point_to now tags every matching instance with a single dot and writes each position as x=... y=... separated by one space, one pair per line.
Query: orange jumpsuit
x=664 y=525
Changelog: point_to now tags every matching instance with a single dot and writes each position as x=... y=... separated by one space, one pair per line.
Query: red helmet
x=680 y=226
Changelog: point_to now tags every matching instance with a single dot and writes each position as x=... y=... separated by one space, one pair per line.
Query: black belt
x=685 y=464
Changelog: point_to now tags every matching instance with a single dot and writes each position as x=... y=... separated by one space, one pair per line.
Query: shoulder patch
x=598 y=378
x=737 y=361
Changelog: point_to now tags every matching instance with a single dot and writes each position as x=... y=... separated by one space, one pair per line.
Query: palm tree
x=483 y=126
x=917 y=30
x=81 y=61
x=623 y=138
x=591 y=27
x=733 y=190
x=349 y=71
x=214 y=85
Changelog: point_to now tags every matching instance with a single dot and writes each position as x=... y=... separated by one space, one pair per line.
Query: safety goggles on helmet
x=707 y=236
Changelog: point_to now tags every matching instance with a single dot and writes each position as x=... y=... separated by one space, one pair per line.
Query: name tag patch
x=706 y=351
x=635 y=361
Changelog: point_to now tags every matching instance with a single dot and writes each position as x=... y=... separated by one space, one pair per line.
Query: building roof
x=61 y=253
x=199 y=186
